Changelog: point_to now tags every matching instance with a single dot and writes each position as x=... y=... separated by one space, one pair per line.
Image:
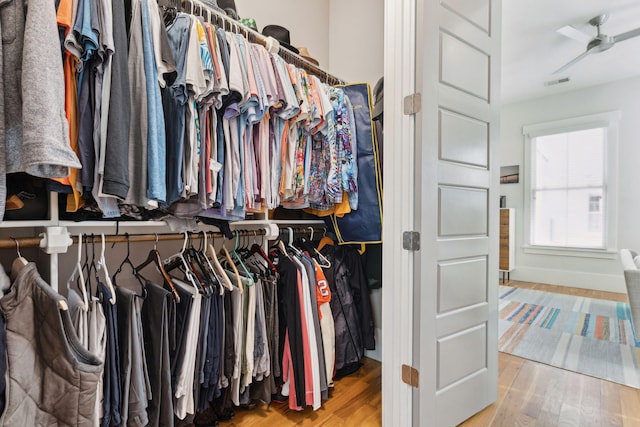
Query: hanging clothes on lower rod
x=190 y=337
x=326 y=321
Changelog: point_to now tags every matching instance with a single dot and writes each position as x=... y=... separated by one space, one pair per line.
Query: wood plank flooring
x=535 y=394
x=355 y=401
x=529 y=394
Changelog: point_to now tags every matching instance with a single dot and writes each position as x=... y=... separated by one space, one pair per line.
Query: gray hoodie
x=33 y=125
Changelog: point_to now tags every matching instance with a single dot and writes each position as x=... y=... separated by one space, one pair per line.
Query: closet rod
x=302 y=230
x=34 y=242
x=239 y=28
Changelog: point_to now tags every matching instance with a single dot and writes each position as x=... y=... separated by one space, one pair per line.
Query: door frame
x=398 y=206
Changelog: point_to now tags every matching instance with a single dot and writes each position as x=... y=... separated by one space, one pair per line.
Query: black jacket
x=350 y=304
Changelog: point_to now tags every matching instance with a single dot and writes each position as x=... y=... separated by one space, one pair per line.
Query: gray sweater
x=33 y=125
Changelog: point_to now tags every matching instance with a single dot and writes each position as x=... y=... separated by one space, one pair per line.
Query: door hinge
x=412 y=104
x=411 y=240
x=410 y=375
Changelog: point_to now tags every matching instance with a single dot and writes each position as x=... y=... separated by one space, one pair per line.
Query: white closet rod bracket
x=55 y=240
x=272 y=231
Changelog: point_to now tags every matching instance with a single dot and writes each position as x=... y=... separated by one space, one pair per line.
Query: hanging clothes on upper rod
x=201 y=120
x=268 y=42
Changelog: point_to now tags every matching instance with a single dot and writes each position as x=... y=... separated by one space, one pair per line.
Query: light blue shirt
x=156 y=136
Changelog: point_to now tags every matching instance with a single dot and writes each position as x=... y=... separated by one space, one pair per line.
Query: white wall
x=356 y=40
x=587 y=273
x=306 y=20
x=345 y=37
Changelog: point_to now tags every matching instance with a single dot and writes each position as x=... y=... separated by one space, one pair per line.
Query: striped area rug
x=590 y=336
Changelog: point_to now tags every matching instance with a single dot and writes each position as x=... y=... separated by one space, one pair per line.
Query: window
x=569 y=196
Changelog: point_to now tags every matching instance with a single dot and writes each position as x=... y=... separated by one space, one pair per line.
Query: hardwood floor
x=529 y=394
x=355 y=401
x=535 y=394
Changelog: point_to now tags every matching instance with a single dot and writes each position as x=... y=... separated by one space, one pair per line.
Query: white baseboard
x=577 y=279
x=377 y=353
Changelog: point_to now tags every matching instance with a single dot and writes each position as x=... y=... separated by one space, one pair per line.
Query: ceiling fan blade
x=627 y=35
x=575 y=34
x=573 y=61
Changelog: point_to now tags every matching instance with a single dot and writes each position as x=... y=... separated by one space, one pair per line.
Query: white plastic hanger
x=290 y=245
x=77 y=270
x=102 y=265
x=324 y=262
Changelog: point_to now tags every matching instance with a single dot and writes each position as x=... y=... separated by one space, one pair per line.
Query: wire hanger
x=77 y=270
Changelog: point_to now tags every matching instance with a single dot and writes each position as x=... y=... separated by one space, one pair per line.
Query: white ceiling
x=532 y=49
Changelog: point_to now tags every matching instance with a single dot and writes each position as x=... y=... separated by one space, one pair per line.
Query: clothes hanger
x=134 y=272
x=207 y=262
x=154 y=257
x=178 y=260
x=190 y=4
x=234 y=269
x=257 y=249
x=323 y=261
x=169 y=14
x=282 y=247
x=257 y=258
x=234 y=252
x=77 y=270
x=290 y=245
x=224 y=278
x=102 y=265
x=198 y=269
x=18 y=263
x=91 y=266
x=325 y=241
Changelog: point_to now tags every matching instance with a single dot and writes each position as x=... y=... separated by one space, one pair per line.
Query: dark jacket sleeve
x=360 y=290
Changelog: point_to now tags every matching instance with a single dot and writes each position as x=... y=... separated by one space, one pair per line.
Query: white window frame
x=608 y=120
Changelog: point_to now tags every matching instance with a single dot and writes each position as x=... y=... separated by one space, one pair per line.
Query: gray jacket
x=51 y=378
x=33 y=125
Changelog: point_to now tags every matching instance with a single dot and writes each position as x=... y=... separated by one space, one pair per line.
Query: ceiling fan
x=599 y=43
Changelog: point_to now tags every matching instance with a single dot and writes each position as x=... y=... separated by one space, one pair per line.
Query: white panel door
x=456 y=209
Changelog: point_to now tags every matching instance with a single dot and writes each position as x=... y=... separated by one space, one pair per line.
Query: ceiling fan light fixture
x=597 y=44
x=601 y=44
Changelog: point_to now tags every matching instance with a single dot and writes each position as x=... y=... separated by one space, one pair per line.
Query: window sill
x=571 y=252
